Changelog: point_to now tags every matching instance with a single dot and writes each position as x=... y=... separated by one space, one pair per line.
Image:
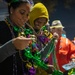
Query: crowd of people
x=25 y=33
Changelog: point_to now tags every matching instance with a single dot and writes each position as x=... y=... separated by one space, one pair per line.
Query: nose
x=25 y=18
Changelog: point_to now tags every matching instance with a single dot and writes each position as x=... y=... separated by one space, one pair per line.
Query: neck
x=10 y=24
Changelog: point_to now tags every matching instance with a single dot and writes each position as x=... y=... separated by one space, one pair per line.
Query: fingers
x=29 y=38
x=24 y=38
x=50 y=66
x=21 y=42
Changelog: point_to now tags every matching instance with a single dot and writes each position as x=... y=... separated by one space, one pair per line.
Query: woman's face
x=20 y=15
x=38 y=23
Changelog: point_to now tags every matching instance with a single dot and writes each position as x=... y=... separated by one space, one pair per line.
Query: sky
x=67 y=18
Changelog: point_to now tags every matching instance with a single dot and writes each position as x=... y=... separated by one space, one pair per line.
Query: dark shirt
x=7 y=50
x=13 y=63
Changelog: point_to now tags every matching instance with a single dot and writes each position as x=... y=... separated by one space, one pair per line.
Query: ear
x=11 y=10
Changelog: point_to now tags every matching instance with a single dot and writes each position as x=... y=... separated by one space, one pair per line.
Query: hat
x=56 y=24
x=38 y=10
x=29 y=1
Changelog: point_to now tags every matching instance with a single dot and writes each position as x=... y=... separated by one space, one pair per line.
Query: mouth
x=37 y=25
x=22 y=22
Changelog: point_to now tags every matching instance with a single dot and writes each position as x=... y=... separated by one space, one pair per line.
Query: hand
x=73 y=60
x=50 y=69
x=55 y=35
x=21 y=42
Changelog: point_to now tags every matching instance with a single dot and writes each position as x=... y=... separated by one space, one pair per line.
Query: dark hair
x=15 y=4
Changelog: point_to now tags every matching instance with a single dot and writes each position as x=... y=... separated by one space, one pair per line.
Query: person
x=64 y=48
x=73 y=41
x=13 y=28
x=64 y=33
x=13 y=46
x=36 y=24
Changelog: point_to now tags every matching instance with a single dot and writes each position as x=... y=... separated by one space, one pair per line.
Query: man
x=38 y=18
x=64 y=48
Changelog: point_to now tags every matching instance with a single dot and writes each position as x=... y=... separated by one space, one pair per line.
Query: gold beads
x=21 y=34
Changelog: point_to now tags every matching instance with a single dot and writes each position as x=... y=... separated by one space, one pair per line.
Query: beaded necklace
x=14 y=56
x=8 y=22
x=11 y=27
x=20 y=33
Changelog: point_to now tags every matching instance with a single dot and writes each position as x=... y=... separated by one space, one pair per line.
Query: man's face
x=57 y=30
x=38 y=23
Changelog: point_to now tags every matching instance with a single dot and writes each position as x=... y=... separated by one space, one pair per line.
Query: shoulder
x=66 y=40
x=2 y=22
x=3 y=25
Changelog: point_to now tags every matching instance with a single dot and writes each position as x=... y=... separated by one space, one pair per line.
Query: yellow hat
x=56 y=24
x=37 y=11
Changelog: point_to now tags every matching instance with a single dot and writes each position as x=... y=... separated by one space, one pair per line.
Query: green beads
x=57 y=72
x=71 y=71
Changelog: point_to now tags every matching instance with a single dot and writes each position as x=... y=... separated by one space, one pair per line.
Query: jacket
x=65 y=51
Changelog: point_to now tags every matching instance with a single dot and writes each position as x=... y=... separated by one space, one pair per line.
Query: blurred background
x=64 y=10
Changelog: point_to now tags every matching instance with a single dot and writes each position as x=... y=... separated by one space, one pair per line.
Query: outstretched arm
x=7 y=50
x=13 y=46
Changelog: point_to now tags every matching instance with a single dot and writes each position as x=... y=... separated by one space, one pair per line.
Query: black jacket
x=6 y=67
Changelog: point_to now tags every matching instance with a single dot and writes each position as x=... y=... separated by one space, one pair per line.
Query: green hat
x=29 y=1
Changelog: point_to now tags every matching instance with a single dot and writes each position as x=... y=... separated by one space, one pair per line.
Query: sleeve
x=71 y=50
x=7 y=50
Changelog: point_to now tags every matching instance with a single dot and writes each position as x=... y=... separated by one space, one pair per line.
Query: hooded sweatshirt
x=38 y=10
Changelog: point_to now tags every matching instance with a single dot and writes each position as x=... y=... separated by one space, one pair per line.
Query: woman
x=11 y=28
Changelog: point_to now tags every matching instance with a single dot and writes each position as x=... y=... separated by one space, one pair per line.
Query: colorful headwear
x=56 y=24
x=38 y=10
x=29 y=1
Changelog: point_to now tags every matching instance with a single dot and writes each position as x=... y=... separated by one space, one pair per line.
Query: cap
x=56 y=24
